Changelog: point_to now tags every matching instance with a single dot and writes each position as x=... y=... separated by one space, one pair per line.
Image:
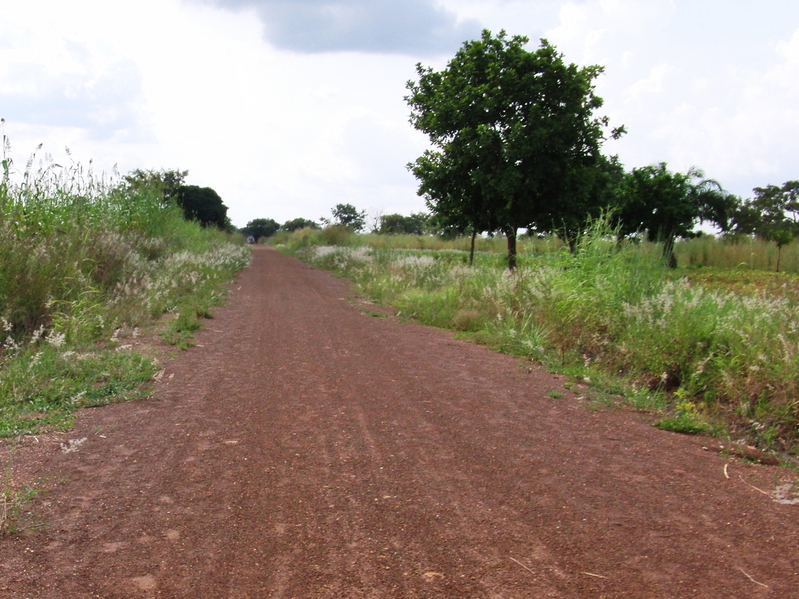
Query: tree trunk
x=669 y=259
x=471 y=249
x=511 y=234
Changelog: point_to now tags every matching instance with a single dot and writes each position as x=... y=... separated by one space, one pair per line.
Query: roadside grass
x=87 y=265
x=738 y=253
x=712 y=354
x=12 y=509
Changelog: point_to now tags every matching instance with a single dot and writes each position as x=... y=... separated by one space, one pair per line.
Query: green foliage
x=397 y=224
x=667 y=205
x=298 y=223
x=165 y=182
x=260 y=228
x=45 y=384
x=686 y=419
x=347 y=215
x=85 y=262
x=516 y=140
x=13 y=501
x=203 y=205
x=779 y=209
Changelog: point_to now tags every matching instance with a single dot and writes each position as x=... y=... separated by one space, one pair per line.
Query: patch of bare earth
x=306 y=449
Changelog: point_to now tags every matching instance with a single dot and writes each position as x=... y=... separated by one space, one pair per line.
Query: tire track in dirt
x=305 y=449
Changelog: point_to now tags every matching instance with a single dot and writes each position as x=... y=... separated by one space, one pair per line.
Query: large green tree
x=773 y=214
x=202 y=204
x=514 y=134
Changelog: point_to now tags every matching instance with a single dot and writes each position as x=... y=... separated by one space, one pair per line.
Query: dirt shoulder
x=307 y=449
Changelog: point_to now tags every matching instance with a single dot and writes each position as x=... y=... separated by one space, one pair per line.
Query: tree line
x=345 y=215
x=517 y=144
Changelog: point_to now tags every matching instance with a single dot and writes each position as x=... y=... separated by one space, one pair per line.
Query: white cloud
x=644 y=89
x=710 y=85
x=601 y=31
x=381 y=26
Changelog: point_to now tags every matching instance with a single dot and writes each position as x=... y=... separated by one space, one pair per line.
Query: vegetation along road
x=306 y=448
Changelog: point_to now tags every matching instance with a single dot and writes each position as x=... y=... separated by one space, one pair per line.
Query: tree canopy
x=260 y=227
x=348 y=216
x=515 y=138
x=298 y=223
x=415 y=224
x=202 y=204
x=778 y=207
x=167 y=182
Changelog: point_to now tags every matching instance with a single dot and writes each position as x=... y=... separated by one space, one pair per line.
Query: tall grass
x=491 y=247
x=611 y=310
x=85 y=262
x=741 y=253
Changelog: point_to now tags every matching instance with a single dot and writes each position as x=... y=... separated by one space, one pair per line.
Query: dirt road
x=306 y=449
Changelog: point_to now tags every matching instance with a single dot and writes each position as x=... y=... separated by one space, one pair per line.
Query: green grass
x=44 y=385
x=84 y=263
x=725 y=342
x=12 y=505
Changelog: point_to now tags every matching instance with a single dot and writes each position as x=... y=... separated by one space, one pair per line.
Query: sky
x=289 y=107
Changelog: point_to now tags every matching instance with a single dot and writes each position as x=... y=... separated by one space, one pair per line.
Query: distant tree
x=667 y=205
x=260 y=228
x=772 y=215
x=515 y=135
x=298 y=223
x=746 y=219
x=397 y=224
x=348 y=216
x=167 y=182
x=202 y=204
x=781 y=237
x=778 y=207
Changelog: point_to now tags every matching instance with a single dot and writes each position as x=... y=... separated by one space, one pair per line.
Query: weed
x=12 y=506
x=13 y=500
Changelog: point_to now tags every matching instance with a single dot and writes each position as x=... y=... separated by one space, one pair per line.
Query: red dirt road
x=306 y=449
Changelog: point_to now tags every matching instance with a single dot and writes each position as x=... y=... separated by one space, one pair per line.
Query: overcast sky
x=288 y=107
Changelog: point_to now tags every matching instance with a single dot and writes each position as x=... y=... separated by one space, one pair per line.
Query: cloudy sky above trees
x=288 y=107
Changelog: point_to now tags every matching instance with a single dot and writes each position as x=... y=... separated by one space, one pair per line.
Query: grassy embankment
x=712 y=349
x=86 y=267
